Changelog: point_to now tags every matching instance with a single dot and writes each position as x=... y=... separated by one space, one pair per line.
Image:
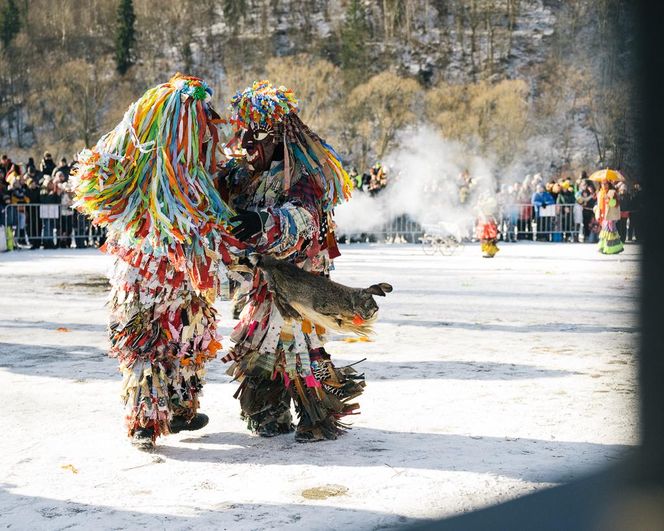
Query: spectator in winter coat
x=626 y=204
x=541 y=199
x=5 y=165
x=378 y=179
x=49 y=211
x=47 y=165
x=66 y=212
x=64 y=168
x=356 y=178
x=33 y=221
x=566 y=211
x=586 y=198
x=524 y=225
x=30 y=164
x=5 y=199
x=33 y=174
x=17 y=213
x=635 y=212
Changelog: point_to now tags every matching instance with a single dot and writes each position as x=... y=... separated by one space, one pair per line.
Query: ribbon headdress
x=149 y=180
x=265 y=106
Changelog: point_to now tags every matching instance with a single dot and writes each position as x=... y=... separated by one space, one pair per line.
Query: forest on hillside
x=534 y=85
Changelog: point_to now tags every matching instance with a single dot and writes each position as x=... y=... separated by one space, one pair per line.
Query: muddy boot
x=266 y=406
x=273 y=428
x=143 y=439
x=323 y=430
x=271 y=422
x=181 y=423
x=305 y=434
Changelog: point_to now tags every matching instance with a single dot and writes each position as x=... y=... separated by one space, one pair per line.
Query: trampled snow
x=486 y=380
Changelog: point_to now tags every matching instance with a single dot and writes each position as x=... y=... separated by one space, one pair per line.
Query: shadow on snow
x=533 y=460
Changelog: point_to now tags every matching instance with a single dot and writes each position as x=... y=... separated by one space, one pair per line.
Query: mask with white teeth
x=259 y=144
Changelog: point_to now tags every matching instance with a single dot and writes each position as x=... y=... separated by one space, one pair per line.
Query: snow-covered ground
x=487 y=379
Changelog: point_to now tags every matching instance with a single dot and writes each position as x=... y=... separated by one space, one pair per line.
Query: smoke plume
x=425 y=175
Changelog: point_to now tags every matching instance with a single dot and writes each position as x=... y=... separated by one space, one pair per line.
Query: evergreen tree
x=10 y=23
x=125 y=36
x=354 y=36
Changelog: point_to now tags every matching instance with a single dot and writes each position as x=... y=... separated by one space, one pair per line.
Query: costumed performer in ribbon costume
x=284 y=188
x=148 y=182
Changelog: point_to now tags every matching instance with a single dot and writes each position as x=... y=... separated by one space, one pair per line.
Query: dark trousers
x=587 y=220
x=66 y=228
x=81 y=229
x=633 y=231
x=48 y=226
x=544 y=228
x=525 y=229
x=621 y=225
x=34 y=227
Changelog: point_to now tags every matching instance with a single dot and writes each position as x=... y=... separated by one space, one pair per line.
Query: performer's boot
x=181 y=423
x=143 y=439
x=320 y=420
x=266 y=407
x=272 y=424
x=311 y=434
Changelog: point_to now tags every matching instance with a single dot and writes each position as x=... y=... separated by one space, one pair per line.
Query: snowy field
x=487 y=380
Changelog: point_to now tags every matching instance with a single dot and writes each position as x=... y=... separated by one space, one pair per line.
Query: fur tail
x=337 y=323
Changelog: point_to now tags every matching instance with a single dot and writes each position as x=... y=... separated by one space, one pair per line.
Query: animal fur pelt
x=301 y=295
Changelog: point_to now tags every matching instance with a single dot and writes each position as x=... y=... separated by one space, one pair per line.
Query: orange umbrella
x=607 y=175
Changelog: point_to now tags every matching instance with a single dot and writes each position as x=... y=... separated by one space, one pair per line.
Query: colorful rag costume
x=487 y=233
x=608 y=211
x=148 y=182
x=486 y=227
x=277 y=359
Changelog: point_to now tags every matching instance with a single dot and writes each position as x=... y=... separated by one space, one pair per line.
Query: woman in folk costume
x=284 y=189
x=607 y=212
x=148 y=182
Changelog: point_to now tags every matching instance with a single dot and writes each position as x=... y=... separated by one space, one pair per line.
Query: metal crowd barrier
x=401 y=229
x=554 y=223
x=55 y=225
x=48 y=226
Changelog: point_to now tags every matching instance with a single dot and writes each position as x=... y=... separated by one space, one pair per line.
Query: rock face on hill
x=456 y=41
x=575 y=73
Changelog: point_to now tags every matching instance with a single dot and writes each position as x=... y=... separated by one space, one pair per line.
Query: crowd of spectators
x=372 y=181
x=36 y=205
x=562 y=209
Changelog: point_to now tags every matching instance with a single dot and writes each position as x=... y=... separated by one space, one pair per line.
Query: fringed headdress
x=265 y=106
x=149 y=180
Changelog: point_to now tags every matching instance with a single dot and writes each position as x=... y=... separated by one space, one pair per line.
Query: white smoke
x=424 y=177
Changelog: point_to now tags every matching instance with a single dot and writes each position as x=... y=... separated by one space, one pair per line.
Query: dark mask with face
x=261 y=145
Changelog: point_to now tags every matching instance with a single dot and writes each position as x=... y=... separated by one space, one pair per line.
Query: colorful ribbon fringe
x=264 y=105
x=148 y=180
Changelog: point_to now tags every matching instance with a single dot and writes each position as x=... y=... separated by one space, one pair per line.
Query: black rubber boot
x=273 y=428
x=315 y=434
x=142 y=439
x=180 y=423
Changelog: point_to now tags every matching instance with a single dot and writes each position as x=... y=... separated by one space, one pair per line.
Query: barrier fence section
x=47 y=225
x=555 y=223
x=56 y=225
